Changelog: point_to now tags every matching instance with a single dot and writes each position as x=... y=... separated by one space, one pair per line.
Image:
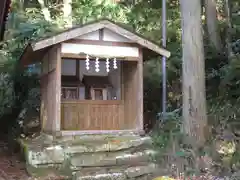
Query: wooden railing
x=92 y=115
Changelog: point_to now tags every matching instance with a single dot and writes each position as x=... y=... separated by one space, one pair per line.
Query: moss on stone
x=48 y=154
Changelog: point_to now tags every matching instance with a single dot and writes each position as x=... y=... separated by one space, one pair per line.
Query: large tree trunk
x=45 y=10
x=212 y=26
x=194 y=97
x=228 y=14
x=67 y=13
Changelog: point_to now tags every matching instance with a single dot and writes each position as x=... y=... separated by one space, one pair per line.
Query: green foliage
x=174 y=150
x=224 y=120
x=236 y=47
x=89 y=10
x=19 y=90
x=167 y=131
x=6 y=94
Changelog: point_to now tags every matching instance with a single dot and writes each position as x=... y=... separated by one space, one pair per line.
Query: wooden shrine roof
x=94 y=26
x=34 y=50
x=96 y=81
x=4 y=9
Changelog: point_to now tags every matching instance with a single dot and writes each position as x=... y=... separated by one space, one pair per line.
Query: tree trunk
x=67 y=13
x=194 y=94
x=45 y=10
x=21 y=5
x=228 y=9
x=212 y=25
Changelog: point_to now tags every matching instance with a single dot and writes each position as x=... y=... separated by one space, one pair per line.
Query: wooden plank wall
x=127 y=114
x=50 y=90
x=92 y=115
x=130 y=83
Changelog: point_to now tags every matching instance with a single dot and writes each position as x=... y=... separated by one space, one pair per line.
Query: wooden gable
x=103 y=36
x=94 y=26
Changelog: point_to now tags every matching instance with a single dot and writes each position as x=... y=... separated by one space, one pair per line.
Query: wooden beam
x=101 y=34
x=122 y=81
x=83 y=57
x=51 y=90
x=104 y=43
x=58 y=88
x=140 y=91
x=77 y=67
x=137 y=38
x=114 y=132
x=66 y=35
x=94 y=102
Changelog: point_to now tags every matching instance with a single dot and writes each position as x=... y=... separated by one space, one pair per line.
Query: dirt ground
x=11 y=167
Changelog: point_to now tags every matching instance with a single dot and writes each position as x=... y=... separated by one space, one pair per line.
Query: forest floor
x=11 y=166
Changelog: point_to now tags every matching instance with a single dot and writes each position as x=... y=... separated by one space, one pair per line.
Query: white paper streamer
x=114 y=63
x=97 y=65
x=87 y=62
x=107 y=65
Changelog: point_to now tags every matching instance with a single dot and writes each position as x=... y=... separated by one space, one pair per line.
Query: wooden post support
x=140 y=91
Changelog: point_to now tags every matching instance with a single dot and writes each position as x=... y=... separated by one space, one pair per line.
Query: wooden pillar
x=130 y=94
x=51 y=90
x=133 y=93
x=140 y=92
x=57 y=123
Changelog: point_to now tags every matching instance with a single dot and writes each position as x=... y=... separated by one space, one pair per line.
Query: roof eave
x=74 y=32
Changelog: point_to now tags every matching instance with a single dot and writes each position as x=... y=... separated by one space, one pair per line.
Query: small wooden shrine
x=92 y=78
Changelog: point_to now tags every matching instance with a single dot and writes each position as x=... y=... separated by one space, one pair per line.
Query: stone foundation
x=102 y=157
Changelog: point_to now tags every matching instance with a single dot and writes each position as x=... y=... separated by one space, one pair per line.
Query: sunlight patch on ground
x=163 y=178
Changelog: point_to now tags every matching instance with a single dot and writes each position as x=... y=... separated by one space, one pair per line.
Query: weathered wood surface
x=103 y=43
x=140 y=92
x=93 y=115
x=94 y=26
x=70 y=56
x=50 y=90
x=130 y=93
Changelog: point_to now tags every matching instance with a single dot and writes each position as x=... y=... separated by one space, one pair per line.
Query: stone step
x=93 y=137
x=37 y=153
x=118 y=158
x=54 y=170
x=116 y=174
x=118 y=155
x=113 y=144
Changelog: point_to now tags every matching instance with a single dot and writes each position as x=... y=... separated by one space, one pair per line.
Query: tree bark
x=45 y=10
x=67 y=13
x=228 y=9
x=194 y=94
x=212 y=25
